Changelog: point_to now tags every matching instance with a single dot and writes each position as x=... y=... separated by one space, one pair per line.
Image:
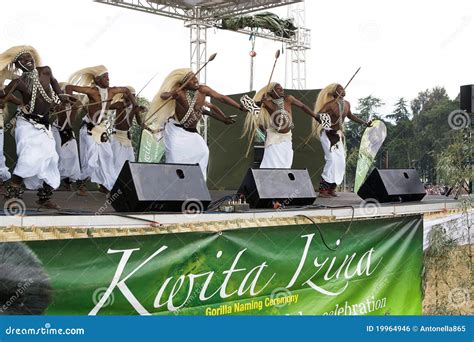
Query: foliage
x=266 y=20
x=422 y=139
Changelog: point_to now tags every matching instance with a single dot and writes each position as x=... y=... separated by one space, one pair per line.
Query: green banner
x=151 y=150
x=374 y=269
x=371 y=141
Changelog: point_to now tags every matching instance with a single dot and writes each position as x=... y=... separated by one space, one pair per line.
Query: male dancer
x=96 y=151
x=37 y=164
x=4 y=172
x=333 y=109
x=66 y=144
x=278 y=125
x=121 y=139
x=179 y=111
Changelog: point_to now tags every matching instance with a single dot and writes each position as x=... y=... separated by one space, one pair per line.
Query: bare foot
x=324 y=194
x=333 y=193
x=82 y=191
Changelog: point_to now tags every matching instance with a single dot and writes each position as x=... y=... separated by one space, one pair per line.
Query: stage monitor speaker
x=467 y=98
x=144 y=187
x=392 y=185
x=261 y=187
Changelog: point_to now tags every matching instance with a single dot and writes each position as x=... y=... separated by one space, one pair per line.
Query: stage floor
x=94 y=211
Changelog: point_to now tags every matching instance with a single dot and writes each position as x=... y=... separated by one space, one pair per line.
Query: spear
x=277 y=55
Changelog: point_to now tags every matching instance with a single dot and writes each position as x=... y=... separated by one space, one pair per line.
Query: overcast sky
x=403 y=46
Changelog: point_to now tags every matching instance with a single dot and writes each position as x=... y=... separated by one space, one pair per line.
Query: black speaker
x=393 y=185
x=467 y=98
x=261 y=187
x=143 y=187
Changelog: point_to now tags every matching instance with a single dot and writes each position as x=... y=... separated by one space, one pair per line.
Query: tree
x=427 y=99
x=400 y=113
x=367 y=109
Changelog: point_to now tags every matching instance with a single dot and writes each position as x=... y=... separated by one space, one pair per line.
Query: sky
x=402 y=46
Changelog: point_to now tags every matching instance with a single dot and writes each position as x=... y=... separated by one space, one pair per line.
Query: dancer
x=332 y=109
x=121 y=138
x=278 y=125
x=179 y=111
x=37 y=164
x=95 y=148
x=5 y=174
x=66 y=144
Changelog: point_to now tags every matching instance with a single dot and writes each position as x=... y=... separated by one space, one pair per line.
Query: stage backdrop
x=376 y=270
x=227 y=162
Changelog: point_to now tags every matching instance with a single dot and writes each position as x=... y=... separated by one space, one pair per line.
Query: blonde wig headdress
x=86 y=77
x=155 y=118
x=10 y=56
x=254 y=122
x=325 y=96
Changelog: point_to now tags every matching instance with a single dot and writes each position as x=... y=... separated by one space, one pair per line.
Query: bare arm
x=305 y=108
x=216 y=113
x=126 y=92
x=219 y=97
x=7 y=94
x=54 y=82
x=169 y=94
x=137 y=111
x=357 y=119
x=81 y=90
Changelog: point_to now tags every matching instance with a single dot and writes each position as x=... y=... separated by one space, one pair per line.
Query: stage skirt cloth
x=335 y=157
x=97 y=160
x=37 y=157
x=122 y=149
x=183 y=147
x=68 y=157
x=278 y=152
x=4 y=172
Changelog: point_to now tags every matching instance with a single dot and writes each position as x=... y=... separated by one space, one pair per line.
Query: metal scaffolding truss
x=209 y=9
x=199 y=15
x=298 y=46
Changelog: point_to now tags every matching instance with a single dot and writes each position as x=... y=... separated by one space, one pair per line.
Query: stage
x=95 y=212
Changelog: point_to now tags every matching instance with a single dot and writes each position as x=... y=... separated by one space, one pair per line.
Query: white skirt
x=278 y=156
x=4 y=172
x=183 y=147
x=335 y=166
x=37 y=157
x=121 y=154
x=68 y=157
x=97 y=160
